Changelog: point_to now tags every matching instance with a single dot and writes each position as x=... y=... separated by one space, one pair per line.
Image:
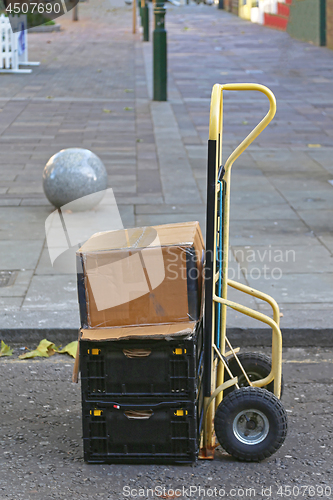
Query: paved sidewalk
x=93 y=90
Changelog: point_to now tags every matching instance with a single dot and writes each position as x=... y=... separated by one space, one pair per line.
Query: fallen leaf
x=70 y=349
x=314 y=145
x=244 y=122
x=106 y=110
x=128 y=90
x=5 y=349
x=139 y=140
x=45 y=349
x=128 y=108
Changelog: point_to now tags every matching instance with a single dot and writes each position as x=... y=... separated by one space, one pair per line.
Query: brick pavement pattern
x=93 y=90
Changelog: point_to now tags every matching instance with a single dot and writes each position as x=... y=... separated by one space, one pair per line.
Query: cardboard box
x=141 y=276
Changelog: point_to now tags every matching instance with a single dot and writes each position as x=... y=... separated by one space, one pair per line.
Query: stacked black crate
x=142 y=399
x=141 y=386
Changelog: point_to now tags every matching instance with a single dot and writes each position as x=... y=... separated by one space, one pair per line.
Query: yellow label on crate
x=95 y=352
x=180 y=413
x=178 y=350
x=96 y=413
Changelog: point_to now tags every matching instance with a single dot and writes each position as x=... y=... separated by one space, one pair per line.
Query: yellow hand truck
x=241 y=391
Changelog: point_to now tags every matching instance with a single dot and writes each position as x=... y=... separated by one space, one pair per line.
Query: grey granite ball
x=73 y=174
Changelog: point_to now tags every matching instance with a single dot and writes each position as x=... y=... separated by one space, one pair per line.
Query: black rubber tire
x=256 y=365
x=246 y=399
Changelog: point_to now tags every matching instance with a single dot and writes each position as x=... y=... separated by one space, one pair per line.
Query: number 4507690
x=302 y=491
x=31 y=7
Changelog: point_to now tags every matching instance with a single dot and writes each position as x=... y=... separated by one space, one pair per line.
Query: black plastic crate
x=142 y=368
x=165 y=432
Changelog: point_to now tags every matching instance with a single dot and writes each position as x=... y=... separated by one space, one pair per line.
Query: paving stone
x=148 y=182
x=167 y=209
x=52 y=292
x=259 y=232
x=127 y=215
x=19 y=287
x=290 y=259
x=320 y=221
x=26 y=189
x=19 y=254
x=294 y=288
x=23 y=224
x=327 y=240
x=10 y=303
x=35 y=202
x=312 y=199
x=176 y=175
x=247 y=211
x=11 y=202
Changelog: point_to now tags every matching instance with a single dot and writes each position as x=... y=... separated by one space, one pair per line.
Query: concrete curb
x=247 y=337
x=292 y=337
x=29 y=336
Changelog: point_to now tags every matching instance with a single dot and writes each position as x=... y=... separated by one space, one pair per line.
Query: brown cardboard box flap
x=162 y=331
x=142 y=332
x=183 y=233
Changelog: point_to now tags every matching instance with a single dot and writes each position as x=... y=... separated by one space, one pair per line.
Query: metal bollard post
x=145 y=21
x=140 y=10
x=134 y=17
x=75 y=16
x=160 y=54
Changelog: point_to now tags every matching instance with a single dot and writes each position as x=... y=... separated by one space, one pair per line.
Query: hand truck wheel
x=250 y=424
x=256 y=365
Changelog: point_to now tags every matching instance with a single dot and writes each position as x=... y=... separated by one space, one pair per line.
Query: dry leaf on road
x=5 y=349
x=70 y=349
x=45 y=349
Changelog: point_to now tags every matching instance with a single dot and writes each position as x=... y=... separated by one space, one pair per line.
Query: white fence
x=14 y=46
x=258 y=13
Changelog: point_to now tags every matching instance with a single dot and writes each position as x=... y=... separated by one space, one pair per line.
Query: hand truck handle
x=216 y=113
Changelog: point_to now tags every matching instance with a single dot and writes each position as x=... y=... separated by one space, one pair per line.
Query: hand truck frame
x=246 y=444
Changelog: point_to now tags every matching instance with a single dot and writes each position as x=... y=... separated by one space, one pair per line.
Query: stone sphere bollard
x=75 y=174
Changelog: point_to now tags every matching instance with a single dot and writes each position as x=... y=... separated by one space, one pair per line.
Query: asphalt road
x=41 y=453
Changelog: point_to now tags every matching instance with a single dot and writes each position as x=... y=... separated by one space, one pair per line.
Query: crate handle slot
x=137 y=353
x=138 y=414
